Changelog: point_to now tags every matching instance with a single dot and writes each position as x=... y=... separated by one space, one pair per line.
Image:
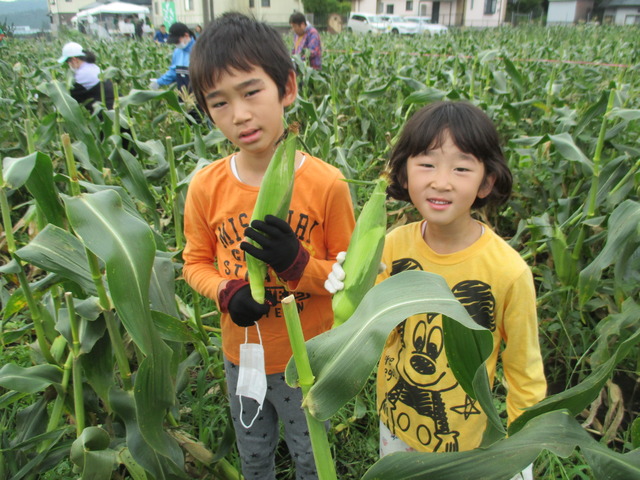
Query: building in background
x=469 y=13
x=201 y=12
x=562 y=12
x=621 y=12
x=62 y=11
x=190 y=12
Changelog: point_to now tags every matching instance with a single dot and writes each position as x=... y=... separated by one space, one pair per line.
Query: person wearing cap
x=184 y=39
x=86 y=88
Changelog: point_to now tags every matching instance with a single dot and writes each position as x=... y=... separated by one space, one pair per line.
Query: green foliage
x=324 y=7
x=80 y=217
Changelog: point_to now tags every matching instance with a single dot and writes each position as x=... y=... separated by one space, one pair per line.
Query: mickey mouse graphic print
x=418 y=396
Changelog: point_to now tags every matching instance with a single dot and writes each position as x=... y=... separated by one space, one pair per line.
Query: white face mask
x=252 y=379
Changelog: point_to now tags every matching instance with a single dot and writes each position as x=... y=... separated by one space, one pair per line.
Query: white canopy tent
x=114 y=8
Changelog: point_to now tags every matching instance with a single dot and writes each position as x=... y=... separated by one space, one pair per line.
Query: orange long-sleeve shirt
x=218 y=209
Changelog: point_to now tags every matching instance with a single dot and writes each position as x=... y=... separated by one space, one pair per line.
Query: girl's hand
x=335 y=280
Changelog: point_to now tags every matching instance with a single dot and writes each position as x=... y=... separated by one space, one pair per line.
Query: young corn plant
x=274 y=198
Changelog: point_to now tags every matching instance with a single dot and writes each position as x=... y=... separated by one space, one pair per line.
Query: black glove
x=236 y=299
x=280 y=247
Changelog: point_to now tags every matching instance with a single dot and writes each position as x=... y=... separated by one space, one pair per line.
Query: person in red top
x=306 y=40
x=243 y=78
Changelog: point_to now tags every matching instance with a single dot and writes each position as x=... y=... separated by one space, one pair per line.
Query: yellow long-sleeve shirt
x=419 y=398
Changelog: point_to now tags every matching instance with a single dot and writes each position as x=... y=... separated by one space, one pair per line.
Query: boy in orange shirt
x=243 y=77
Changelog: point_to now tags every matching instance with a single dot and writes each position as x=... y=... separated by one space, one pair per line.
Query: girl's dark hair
x=88 y=56
x=471 y=130
x=235 y=41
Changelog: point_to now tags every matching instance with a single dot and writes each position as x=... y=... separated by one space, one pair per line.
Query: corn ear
x=274 y=198
x=363 y=255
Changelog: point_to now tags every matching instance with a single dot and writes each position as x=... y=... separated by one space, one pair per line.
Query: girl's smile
x=443 y=184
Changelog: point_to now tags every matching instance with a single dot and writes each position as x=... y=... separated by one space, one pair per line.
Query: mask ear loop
x=246 y=339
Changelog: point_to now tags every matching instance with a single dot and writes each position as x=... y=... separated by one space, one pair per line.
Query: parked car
x=399 y=25
x=425 y=26
x=366 y=23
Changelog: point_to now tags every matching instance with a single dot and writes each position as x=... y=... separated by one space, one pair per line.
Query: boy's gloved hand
x=335 y=280
x=235 y=298
x=280 y=247
x=153 y=84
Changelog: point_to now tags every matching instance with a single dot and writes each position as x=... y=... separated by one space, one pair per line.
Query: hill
x=33 y=13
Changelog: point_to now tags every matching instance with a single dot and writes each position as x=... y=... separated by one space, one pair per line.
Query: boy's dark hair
x=297 y=18
x=471 y=130
x=235 y=41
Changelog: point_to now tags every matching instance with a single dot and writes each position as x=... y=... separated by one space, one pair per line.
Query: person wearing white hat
x=86 y=88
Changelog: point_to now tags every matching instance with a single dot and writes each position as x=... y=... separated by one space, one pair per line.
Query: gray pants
x=257 y=445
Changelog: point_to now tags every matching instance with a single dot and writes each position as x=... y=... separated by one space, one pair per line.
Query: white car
x=366 y=23
x=425 y=26
x=399 y=25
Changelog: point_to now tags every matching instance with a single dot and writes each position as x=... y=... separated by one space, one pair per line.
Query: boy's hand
x=236 y=299
x=280 y=247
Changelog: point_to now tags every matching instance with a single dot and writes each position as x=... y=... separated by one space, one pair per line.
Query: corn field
x=111 y=365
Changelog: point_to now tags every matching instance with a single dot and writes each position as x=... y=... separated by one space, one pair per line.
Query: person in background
x=184 y=39
x=243 y=77
x=161 y=35
x=139 y=28
x=448 y=162
x=86 y=88
x=198 y=31
x=306 y=40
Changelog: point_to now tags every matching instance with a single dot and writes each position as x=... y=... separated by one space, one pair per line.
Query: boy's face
x=248 y=110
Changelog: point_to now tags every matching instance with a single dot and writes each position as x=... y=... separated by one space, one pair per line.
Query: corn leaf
x=576 y=399
x=91 y=452
x=557 y=432
x=56 y=250
x=339 y=378
x=623 y=229
x=35 y=171
x=126 y=246
x=30 y=379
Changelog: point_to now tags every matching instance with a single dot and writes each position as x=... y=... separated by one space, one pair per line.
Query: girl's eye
x=462 y=169
x=218 y=104
x=252 y=92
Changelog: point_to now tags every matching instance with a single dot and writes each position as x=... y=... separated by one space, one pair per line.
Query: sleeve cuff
x=295 y=271
x=227 y=293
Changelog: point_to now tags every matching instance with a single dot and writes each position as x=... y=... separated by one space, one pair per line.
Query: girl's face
x=74 y=63
x=443 y=184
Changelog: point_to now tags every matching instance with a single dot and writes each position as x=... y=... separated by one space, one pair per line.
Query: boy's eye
x=252 y=92
x=217 y=104
x=462 y=169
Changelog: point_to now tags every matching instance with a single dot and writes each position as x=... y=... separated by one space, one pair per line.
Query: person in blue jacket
x=161 y=35
x=184 y=39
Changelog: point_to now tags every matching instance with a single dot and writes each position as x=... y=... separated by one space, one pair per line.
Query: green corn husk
x=363 y=255
x=274 y=198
